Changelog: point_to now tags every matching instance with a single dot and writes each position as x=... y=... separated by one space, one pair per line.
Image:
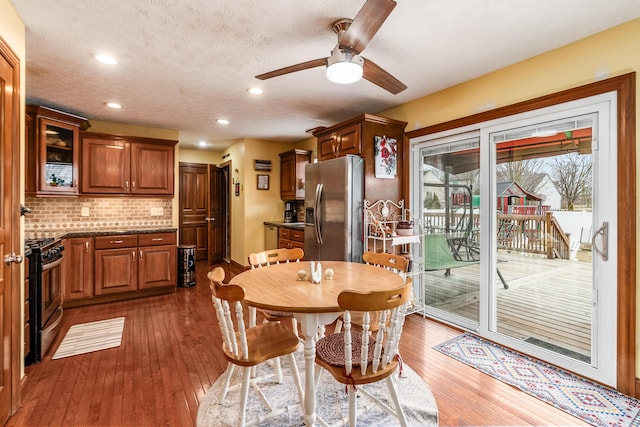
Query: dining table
x=281 y=287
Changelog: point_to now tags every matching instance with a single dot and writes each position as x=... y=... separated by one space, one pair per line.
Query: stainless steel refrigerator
x=334 y=197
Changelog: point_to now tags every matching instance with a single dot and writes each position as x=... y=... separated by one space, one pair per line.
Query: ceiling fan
x=353 y=37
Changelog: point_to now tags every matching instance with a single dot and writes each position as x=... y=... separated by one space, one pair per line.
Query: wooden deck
x=547 y=300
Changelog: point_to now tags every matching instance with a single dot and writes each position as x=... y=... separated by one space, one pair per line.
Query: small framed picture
x=263 y=182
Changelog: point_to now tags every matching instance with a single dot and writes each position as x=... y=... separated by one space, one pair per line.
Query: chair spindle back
x=387 y=303
x=275 y=256
x=224 y=297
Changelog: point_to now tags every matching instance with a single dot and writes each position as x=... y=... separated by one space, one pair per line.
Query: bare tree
x=571 y=175
x=527 y=173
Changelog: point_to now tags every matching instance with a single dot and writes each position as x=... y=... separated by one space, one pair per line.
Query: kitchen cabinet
x=292 y=165
x=340 y=142
x=357 y=136
x=52 y=151
x=116 y=264
x=126 y=263
x=77 y=268
x=118 y=165
x=290 y=238
x=157 y=260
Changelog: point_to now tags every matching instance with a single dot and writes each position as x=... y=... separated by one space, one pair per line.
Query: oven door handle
x=51 y=265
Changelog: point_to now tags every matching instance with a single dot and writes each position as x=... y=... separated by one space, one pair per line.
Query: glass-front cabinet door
x=53 y=152
x=58 y=157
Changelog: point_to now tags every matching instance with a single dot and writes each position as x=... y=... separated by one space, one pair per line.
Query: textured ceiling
x=185 y=63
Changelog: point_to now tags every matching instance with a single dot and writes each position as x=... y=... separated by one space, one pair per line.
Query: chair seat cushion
x=331 y=349
x=272 y=313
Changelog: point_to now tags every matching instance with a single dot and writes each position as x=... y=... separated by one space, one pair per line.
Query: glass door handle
x=604 y=232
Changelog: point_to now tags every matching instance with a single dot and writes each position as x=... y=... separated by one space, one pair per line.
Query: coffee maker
x=289 y=212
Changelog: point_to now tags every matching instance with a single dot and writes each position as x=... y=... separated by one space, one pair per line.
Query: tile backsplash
x=55 y=216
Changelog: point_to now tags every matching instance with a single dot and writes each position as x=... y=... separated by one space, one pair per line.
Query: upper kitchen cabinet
x=52 y=151
x=292 y=165
x=120 y=165
x=379 y=141
x=340 y=142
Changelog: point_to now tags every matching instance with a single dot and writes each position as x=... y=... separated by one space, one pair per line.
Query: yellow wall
x=199 y=156
x=253 y=206
x=261 y=205
x=611 y=53
x=12 y=32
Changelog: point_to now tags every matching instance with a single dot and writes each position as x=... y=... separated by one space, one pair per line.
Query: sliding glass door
x=519 y=216
x=450 y=194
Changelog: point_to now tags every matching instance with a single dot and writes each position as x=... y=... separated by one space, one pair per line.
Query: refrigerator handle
x=316 y=217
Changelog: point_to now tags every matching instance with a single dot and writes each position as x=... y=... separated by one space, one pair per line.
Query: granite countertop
x=115 y=232
x=291 y=225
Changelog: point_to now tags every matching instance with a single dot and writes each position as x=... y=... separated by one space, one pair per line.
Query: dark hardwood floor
x=170 y=356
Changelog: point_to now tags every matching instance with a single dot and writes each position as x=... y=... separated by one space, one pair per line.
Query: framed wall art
x=263 y=182
x=386 y=157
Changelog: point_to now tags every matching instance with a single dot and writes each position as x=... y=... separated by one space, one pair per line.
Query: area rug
x=580 y=397
x=93 y=336
x=332 y=403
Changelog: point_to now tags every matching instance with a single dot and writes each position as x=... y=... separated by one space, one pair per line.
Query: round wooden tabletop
x=277 y=287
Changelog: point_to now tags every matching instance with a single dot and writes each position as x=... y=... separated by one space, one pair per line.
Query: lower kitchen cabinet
x=116 y=267
x=289 y=238
x=119 y=266
x=116 y=264
x=157 y=260
x=77 y=268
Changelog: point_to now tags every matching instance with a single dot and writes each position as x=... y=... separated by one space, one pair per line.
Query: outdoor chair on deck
x=439 y=256
x=355 y=358
x=248 y=347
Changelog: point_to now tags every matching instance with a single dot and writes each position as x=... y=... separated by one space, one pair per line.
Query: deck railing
x=537 y=234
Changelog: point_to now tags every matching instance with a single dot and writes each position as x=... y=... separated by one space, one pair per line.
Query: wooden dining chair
x=355 y=358
x=248 y=347
x=265 y=259
x=396 y=263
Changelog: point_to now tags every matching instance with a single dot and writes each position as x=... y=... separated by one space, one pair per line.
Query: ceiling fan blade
x=380 y=77
x=293 y=68
x=366 y=24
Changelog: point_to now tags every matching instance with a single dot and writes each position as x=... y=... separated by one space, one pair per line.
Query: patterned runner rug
x=88 y=337
x=580 y=397
x=332 y=403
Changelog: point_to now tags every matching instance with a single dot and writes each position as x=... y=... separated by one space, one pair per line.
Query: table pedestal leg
x=309 y=323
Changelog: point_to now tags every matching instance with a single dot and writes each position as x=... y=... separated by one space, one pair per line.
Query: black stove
x=45 y=294
x=38 y=243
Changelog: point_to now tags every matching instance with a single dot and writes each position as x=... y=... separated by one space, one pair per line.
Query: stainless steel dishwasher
x=270 y=237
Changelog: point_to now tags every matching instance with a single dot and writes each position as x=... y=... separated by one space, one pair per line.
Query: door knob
x=12 y=258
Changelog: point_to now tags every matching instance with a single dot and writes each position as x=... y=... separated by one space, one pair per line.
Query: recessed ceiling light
x=254 y=91
x=202 y=143
x=113 y=105
x=105 y=59
x=223 y=121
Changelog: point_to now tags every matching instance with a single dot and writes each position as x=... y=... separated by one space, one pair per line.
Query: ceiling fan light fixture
x=343 y=68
